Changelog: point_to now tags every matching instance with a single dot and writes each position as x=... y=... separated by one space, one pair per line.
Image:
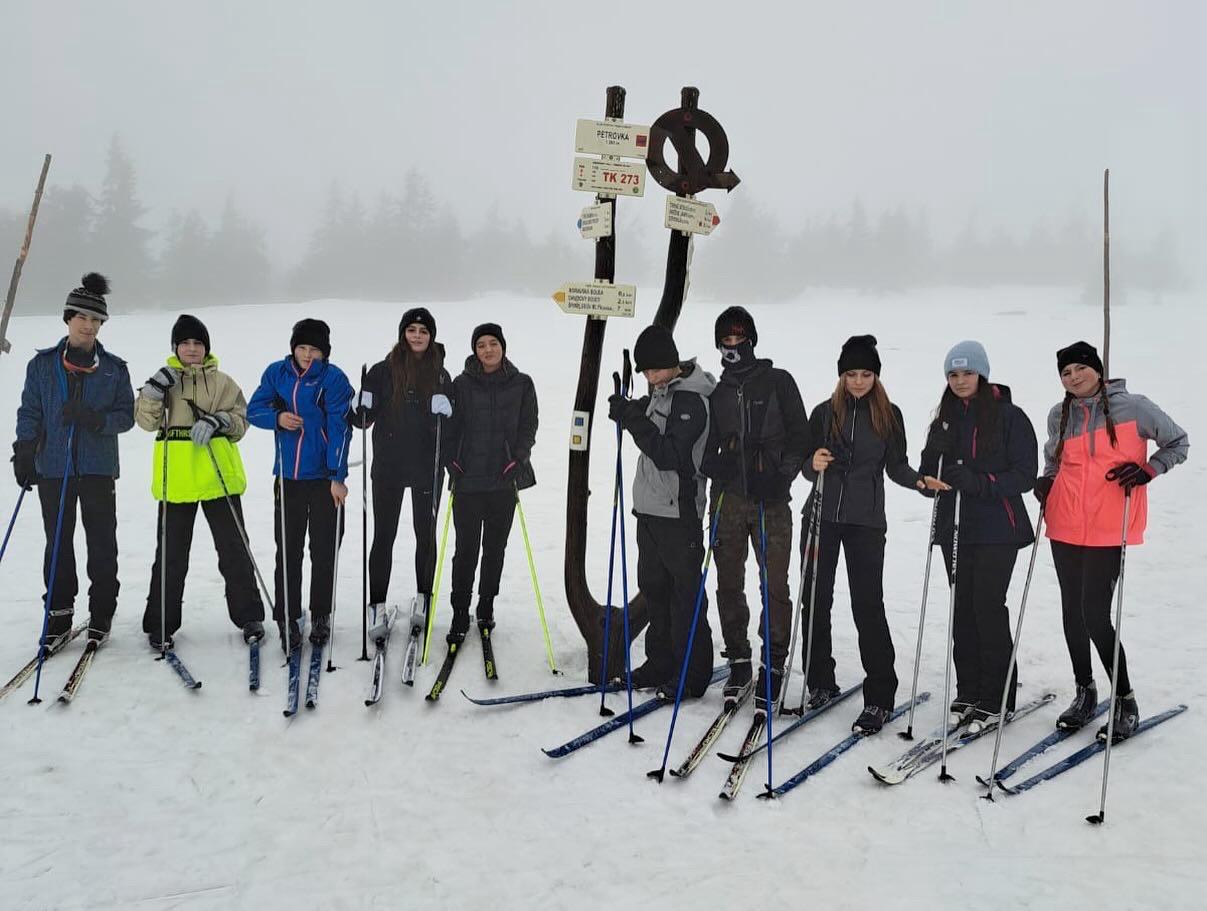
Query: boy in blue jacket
x=76 y=400
x=305 y=399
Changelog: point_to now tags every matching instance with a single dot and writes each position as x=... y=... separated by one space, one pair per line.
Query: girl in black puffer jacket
x=491 y=440
x=403 y=398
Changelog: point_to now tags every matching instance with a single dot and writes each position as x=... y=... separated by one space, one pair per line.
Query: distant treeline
x=409 y=246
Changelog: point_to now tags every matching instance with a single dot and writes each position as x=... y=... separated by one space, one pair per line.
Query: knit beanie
x=313 y=332
x=859 y=353
x=967 y=355
x=735 y=321
x=88 y=298
x=655 y=349
x=187 y=327
x=1080 y=353
x=420 y=315
x=487 y=329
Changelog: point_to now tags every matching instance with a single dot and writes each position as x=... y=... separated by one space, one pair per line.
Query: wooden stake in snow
x=11 y=298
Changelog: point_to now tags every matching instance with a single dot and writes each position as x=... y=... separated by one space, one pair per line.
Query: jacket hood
x=693 y=378
x=100 y=350
x=473 y=368
x=733 y=378
x=209 y=363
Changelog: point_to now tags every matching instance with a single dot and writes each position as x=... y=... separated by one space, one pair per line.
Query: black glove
x=965 y=480
x=843 y=457
x=76 y=412
x=1043 y=487
x=24 y=469
x=728 y=462
x=1130 y=475
x=942 y=441
x=617 y=404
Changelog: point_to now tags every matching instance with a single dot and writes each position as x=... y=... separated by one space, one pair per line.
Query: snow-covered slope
x=143 y=794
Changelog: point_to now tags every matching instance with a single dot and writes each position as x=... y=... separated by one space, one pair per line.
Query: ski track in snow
x=142 y=794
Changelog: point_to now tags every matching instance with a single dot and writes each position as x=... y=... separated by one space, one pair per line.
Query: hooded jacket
x=999 y=516
x=404 y=432
x=495 y=422
x=760 y=410
x=40 y=415
x=671 y=436
x=856 y=496
x=1083 y=507
x=321 y=396
x=202 y=389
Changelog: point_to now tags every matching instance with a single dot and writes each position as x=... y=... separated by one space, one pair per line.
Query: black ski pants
x=981 y=638
x=738 y=530
x=309 y=507
x=670 y=556
x=387 y=509
x=243 y=603
x=1087 y=577
x=863 y=548
x=98 y=509
x=482 y=520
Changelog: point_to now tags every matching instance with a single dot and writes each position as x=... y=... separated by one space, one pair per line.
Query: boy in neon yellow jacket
x=206 y=417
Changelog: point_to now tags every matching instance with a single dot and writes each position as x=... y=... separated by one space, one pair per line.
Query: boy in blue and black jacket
x=76 y=400
x=305 y=400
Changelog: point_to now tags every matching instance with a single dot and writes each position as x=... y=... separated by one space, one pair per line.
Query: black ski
x=32 y=665
x=714 y=731
x=446 y=669
x=76 y=677
x=488 y=654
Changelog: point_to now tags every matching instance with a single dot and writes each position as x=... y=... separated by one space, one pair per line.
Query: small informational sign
x=580 y=431
x=611 y=137
x=610 y=178
x=596 y=221
x=690 y=215
x=597 y=298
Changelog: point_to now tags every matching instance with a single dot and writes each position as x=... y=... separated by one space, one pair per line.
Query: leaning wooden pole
x=11 y=297
x=1106 y=272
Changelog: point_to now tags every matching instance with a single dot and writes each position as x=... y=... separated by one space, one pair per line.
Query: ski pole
x=283 y=551
x=436 y=486
x=339 y=528
x=1100 y=817
x=54 y=566
x=619 y=387
x=431 y=612
x=536 y=588
x=764 y=584
x=11 y=522
x=951 y=617
x=230 y=503
x=364 y=527
x=660 y=773
x=812 y=553
x=163 y=533
x=1018 y=634
x=908 y=733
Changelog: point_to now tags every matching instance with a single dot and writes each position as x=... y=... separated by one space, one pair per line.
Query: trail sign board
x=611 y=137
x=683 y=214
x=596 y=221
x=611 y=178
x=597 y=298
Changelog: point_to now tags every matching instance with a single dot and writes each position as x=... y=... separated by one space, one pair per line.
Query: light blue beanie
x=967 y=355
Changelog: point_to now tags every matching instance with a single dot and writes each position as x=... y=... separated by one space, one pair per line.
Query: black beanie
x=859 y=353
x=88 y=298
x=187 y=327
x=655 y=349
x=1079 y=353
x=486 y=329
x=420 y=315
x=735 y=321
x=313 y=332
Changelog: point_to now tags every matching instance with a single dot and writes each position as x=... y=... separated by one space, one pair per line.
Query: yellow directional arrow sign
x=601 y=299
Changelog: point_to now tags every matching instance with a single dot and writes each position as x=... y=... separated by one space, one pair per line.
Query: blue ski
x=312 y=678
x=182 y=672
x=294 y=663
x=567 y=692
x=1057 y=736
x=253 y=665
x=1086 y=752
x=835 y=751
x=805 y=718
x=616 y=722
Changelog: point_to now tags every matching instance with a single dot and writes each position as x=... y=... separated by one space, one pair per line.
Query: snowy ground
x=144 y=795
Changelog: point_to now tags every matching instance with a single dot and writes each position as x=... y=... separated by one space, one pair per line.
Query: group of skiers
x=747 y=434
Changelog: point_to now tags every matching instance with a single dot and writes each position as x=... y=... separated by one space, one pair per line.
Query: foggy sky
x=1008 y=111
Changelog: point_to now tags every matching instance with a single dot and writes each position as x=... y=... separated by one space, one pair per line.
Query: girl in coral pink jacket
x=1097 y=450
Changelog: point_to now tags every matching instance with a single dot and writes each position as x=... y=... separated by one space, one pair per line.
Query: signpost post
x=11 y=298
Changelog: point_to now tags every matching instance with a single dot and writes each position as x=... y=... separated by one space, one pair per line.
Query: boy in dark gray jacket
x=670 y=427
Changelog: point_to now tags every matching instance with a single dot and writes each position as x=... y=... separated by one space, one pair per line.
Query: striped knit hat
x=89 y=298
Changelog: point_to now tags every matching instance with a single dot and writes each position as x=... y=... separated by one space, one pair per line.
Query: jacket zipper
x=742 y=438
x=842 y=489
x=297 y=456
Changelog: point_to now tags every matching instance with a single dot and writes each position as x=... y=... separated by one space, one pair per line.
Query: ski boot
x=157 y=643
x=291 y=636
x=98 y=629
x=379 y=622
x=1080 y=710
x=760 y=688
x=320 y=629
x=458 y=628
x=740 y=671
x=822 y=695
x=870 y=720
x=58 y=627
x=253 y=631
x=960 y=710
x=1127 y=717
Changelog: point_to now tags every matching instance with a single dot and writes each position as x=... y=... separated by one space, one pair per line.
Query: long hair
x=408 y=372
x=884 y=421
x=1067 y=405
x=988 y=418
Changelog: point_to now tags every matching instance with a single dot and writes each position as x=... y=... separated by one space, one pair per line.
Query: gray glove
x=441 y=405
x=158 y=385
x=206 y=426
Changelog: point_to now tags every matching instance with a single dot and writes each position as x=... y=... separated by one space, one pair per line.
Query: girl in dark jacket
x=491 y=440
x=989 y=455
x=857 y=436
x=403 y=399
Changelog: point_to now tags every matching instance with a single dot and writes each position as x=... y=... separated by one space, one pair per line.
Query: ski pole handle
x=616 y=383
x=627 y=377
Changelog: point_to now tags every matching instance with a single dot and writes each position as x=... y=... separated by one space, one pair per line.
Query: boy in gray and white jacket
x=670 y=427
